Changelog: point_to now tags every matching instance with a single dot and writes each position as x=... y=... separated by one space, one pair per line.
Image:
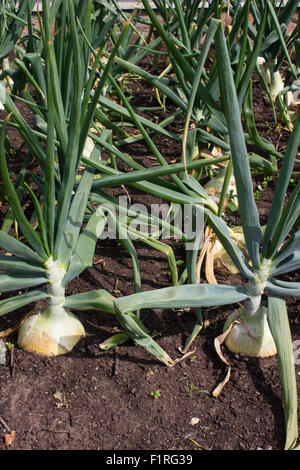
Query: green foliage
x=156 y=394
x=83 y=107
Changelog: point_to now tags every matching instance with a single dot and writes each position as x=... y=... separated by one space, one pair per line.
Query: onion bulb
x=250 y=335
x=50 y=334
x=55 y=330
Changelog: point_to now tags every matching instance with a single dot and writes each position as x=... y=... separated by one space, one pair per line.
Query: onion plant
x=195 y=92
x=278 y=44
x=61 y=247
x=261 y=327
x=192 y=86
x=135 y=178
x=13 y=19
x=181 y=189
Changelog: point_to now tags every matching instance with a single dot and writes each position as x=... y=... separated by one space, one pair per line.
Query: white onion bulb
x=50 y=334
x=250 y=335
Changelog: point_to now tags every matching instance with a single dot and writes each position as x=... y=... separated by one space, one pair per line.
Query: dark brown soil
x=95 y=400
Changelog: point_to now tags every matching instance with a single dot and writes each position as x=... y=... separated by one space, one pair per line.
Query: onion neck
x=256 y=287
x=55 y=289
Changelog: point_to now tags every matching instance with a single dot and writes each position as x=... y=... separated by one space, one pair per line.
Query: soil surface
x=91 y=399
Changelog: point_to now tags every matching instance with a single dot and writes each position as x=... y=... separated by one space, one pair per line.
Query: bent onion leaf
x=14 y=202
x=282 y=288
x=171 y=297
x=10 y=282
x=193 y=295
x=13 y=303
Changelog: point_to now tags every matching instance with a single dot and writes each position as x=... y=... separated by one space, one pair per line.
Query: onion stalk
x=61 y=248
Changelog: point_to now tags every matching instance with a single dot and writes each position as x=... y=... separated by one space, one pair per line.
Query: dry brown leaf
x=209 y=264
x=9 y=438
x=208 y=235
x=217 y=342
x=187 y=354
x=199 y=445
x=62 y=402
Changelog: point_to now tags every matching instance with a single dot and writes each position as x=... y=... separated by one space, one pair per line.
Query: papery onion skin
x=222 y=261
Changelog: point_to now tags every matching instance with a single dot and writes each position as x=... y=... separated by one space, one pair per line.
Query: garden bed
x=123 y=399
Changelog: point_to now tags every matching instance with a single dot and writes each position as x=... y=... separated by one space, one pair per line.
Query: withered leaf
x=9 y=438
